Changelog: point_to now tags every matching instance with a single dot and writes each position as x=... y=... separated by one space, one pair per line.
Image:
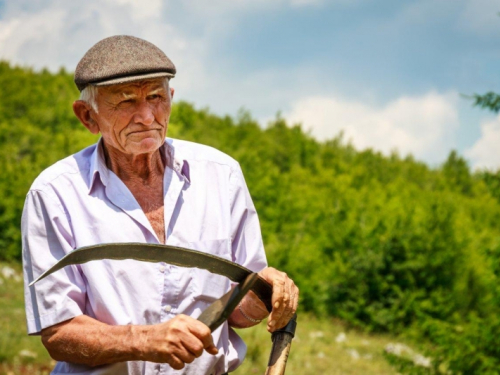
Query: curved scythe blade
x=177 y=256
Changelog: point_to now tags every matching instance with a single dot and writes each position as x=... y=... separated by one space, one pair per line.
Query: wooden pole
x=282 y=342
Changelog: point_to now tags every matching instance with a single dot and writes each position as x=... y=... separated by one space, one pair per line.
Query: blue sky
x=387 y=73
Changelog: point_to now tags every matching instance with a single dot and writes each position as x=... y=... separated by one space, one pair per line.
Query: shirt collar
x=175 y=161
x=99 y=170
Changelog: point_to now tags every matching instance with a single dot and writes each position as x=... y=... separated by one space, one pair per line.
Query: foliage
x=37 y=128
x=492 y=181
x=385 y=243
x=490 y=101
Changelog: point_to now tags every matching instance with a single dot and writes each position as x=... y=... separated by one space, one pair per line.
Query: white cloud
x=21 y=35
x=485 y=153
x=423 y=126
x=60 y=32
x=54 y=33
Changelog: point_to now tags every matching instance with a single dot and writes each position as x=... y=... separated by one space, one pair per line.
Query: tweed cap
x=120 y=59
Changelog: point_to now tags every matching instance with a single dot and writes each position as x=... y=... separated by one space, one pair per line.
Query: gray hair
x=89 y=94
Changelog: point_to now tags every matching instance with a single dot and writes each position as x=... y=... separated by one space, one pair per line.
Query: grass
x=321 y=346
x=19 y=353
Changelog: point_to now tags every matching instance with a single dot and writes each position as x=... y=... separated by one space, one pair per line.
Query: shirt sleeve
x=246 y=237
x=46 y=236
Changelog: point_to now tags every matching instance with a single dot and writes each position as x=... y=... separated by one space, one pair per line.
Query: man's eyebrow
x=156 y=91
x=130 y=94
x=126 y=95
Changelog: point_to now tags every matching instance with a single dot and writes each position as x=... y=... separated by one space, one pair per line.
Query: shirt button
x=162 y=269
x=167 y=308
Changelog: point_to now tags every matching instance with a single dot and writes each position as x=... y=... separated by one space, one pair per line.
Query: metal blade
x=177 y=256
x=220 y=310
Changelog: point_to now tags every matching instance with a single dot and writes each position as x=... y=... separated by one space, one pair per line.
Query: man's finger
x=293 y=297
x=185 y=355
x=288 y=302
x=175 y=362
x=208 y=344
x=296 y=300
x=279 y=290
x=202 y=332
x=193 y=345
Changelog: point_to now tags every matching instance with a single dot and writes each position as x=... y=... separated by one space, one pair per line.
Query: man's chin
x=145 y=146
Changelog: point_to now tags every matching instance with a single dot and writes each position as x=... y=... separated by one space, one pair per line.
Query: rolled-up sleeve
x=247 y=246
x=46 y=238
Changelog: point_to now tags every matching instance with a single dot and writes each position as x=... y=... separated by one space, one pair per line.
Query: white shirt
x=79 y=202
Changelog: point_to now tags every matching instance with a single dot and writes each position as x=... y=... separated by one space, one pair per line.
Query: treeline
x=385 y=243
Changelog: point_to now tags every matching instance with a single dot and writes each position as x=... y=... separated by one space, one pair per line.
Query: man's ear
x=84 y=111
x=172 y=90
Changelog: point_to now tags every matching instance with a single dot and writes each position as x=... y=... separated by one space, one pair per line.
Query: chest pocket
x=204 y=285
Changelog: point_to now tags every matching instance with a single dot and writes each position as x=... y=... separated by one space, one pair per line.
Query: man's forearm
x=87 y=341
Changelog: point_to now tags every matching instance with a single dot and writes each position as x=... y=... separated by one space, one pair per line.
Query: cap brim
x=140 y=77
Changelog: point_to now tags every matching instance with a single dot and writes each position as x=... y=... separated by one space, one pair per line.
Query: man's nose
x=144 y=113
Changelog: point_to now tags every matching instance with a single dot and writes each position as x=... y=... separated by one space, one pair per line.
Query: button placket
x=170 y=290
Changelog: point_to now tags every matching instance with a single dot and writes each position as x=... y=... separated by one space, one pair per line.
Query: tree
x=490 y=101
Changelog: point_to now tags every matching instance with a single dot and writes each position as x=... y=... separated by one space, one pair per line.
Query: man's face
x=133 y=117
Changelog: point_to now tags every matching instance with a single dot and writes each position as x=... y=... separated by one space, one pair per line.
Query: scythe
x=219 y=310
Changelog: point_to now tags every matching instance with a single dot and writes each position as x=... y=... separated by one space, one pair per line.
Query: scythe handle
x=282 y=342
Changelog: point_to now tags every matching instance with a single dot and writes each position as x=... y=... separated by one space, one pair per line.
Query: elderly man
x=135 y=185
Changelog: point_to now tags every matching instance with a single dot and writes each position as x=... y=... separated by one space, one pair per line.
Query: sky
x=390 y=75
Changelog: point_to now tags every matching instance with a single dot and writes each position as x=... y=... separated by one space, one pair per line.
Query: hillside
x=385 y=243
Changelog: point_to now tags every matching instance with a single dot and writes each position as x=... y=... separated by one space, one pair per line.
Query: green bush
x=385 y=243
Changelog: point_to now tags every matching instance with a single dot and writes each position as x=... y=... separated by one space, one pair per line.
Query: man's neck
x=146 y=168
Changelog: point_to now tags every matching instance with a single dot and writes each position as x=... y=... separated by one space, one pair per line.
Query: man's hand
x=177 y=342
x=87 y=341
x=285 y=299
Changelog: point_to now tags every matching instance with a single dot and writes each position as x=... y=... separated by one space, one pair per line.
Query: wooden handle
x=279 y=354
x=282 y=341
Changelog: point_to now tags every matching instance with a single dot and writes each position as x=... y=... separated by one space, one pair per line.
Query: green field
x=315 y=350
x=320 y=346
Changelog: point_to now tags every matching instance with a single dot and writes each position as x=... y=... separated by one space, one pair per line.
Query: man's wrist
x=245 y=315
x=138 y=342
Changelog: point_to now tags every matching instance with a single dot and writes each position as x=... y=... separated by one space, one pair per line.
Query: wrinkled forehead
x=133 y=88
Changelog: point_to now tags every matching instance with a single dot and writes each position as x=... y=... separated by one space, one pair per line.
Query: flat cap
x=120 y=59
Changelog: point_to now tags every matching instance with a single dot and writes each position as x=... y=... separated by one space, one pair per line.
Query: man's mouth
x=143 y=131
